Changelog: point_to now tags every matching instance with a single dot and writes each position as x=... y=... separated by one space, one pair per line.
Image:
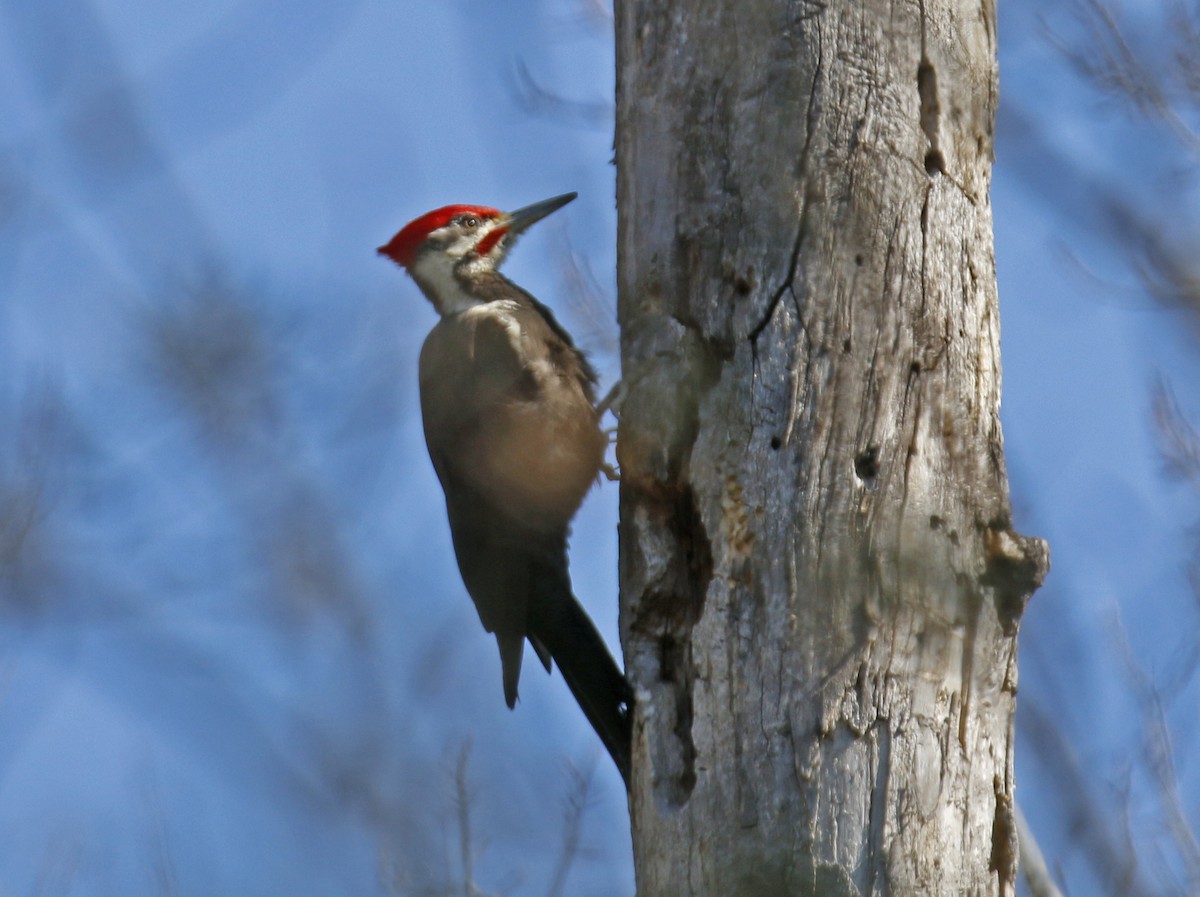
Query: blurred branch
x=94 y=120
x=1158 y=79
x=401 y=869
x=1159 y=757
x=1125 y=222
x=165 y=876
x=1033 y=864
x=1179 y=445
x=599 y=13
x=211 y=353
x=1090 y=823
x=588 y=301
x=462 y=803
x=1114 y=67
x=577 y=802
x=214 y=353
x=29 y=446
x=1186 y=57
x=1168 y=274
x=537 y=100
x=59 y=869
x=95 y=115
x=1178 y=440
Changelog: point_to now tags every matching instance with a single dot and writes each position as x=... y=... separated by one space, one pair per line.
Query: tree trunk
x=820 y=584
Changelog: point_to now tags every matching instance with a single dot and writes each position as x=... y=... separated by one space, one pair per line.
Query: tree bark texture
x=821 y=587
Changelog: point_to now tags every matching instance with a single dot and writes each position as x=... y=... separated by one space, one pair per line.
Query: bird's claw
x=613 y=401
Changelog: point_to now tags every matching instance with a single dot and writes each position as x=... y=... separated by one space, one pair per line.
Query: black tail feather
x=594 y=678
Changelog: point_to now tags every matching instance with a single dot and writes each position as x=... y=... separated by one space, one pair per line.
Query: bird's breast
x=508 y=410
x=543 y=453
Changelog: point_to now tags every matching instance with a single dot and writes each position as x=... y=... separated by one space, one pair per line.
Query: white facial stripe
x=453 y=249
x=458 y=243
x=436 y=270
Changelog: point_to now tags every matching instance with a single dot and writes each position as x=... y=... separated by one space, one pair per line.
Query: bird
x=508 y=404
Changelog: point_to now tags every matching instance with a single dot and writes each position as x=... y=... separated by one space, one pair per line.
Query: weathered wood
x=820 y=584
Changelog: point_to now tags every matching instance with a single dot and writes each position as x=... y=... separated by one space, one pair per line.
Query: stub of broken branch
x=1015 y=568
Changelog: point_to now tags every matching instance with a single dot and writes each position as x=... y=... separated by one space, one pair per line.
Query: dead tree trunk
x=820 y=584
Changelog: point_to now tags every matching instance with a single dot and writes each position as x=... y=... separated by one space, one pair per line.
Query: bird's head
x=445 y=248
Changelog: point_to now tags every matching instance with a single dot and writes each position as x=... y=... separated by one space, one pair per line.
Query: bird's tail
x=565 y=630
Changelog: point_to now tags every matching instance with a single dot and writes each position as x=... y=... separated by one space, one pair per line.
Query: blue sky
x=178 y=710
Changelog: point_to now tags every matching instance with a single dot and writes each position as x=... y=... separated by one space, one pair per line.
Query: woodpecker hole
x=915 y=367
x=935 y=163
x=680 y=757
x=858 y=260
x=931 y=113
x=866 y=465
x=776 y=443
x=743 y=282
x=846 y=345
x=669 y=658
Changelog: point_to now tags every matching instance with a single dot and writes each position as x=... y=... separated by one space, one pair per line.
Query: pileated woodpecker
x=509 y=406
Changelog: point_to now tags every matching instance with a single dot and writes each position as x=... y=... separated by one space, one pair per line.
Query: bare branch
x=1186 y=28
x=595 y=309
x=1178 y=440
x=598 y=13
x=30 y=441
x=1033 y=864
x=462 y=804
x=1117 y=69
x=537 y=100
x=577 y=802
x=1089 y=820
x=1169 y=274
x=1159 y=757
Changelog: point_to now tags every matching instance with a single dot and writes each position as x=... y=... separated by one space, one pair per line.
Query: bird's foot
x=613 y=400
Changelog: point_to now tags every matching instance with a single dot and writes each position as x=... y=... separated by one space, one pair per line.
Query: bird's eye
x=469 y=221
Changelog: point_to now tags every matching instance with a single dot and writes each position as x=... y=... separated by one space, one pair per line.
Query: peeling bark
x=821 y=588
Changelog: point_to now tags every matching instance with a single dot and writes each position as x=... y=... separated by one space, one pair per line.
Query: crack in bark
x=878 y=809
x=787 y=283
x=1003 y=860
x=967 y=667
x=925 y=247
x=794 y=402
x=811 y=126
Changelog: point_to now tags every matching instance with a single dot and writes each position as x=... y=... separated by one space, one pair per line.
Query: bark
x=821 y=587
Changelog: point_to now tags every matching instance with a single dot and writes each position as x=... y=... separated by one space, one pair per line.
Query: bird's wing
x=472 y=375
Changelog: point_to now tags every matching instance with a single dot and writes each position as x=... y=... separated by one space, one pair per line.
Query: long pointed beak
x=515 y=222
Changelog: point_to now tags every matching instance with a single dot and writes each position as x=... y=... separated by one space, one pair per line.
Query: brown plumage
x=508 y=404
